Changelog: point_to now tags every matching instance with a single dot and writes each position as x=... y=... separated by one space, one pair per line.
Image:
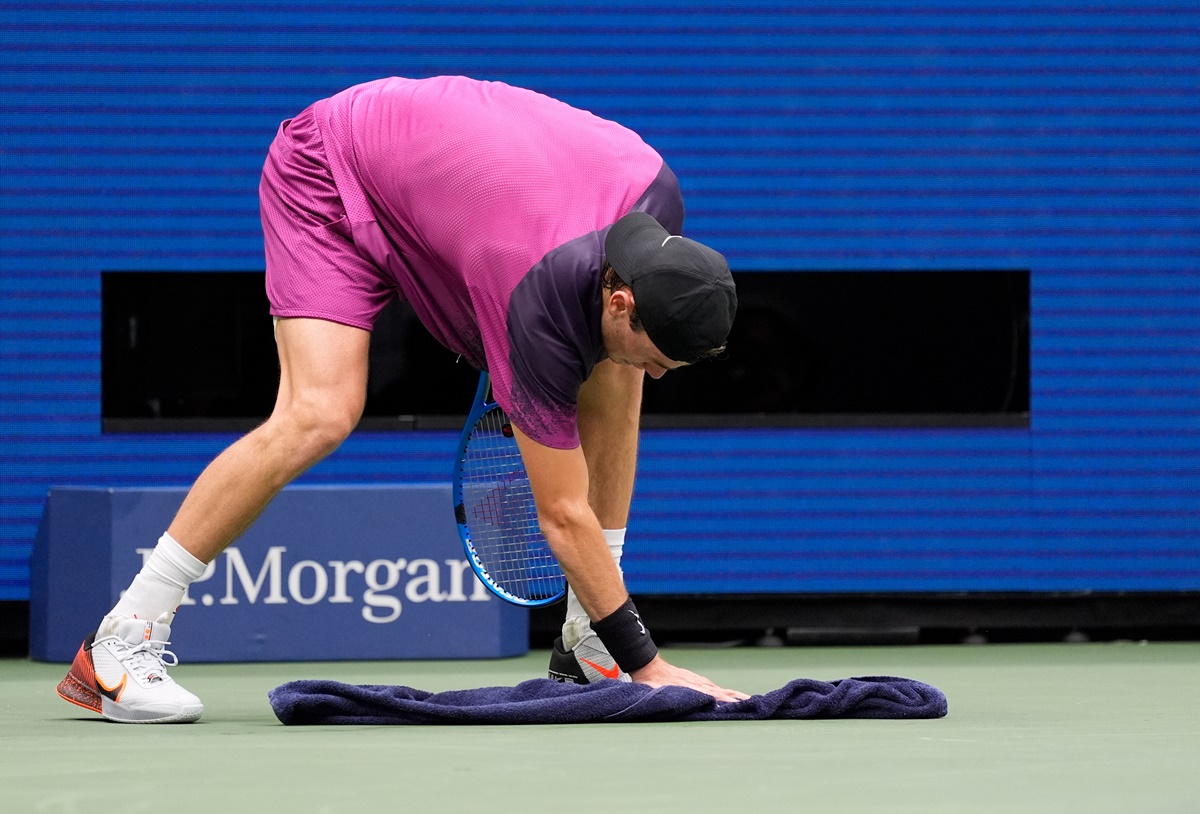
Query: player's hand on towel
x=659 y=673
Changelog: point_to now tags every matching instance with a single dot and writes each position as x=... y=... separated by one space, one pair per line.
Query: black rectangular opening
x=188 y=351
x=866 y=347
x=185 y=345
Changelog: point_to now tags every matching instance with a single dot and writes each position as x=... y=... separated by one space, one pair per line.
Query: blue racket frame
x=479 y=408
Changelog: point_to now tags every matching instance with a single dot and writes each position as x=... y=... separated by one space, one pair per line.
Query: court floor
x=1032 y=728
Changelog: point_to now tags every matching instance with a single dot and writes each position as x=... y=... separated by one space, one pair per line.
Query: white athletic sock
x=159 y=586
x=577 y=624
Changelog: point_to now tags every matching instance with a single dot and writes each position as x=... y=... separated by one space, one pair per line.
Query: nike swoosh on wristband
x=638 y=616
x=607 y=672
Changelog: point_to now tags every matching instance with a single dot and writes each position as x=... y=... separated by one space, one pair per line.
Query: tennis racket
x=494 y=508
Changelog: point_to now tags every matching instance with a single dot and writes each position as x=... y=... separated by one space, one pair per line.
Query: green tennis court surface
x=1032 y=728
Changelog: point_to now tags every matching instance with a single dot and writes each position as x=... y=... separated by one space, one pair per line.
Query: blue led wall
x=1057 y=137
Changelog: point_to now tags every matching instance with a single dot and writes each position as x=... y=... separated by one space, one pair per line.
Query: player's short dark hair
x=612 y=282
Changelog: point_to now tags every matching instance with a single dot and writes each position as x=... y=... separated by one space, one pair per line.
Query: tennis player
x=538 y=241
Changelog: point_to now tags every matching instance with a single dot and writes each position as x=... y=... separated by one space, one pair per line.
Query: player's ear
x=620 y=302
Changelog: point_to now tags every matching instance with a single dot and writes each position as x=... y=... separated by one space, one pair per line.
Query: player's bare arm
x=609 y=410
x=559 y=478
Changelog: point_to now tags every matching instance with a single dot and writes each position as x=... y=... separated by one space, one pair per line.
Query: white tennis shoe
x=121 y=673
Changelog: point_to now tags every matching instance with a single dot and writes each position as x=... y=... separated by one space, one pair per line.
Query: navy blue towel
x=542 y=701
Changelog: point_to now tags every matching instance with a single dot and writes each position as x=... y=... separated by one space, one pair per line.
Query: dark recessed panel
x=188 y=350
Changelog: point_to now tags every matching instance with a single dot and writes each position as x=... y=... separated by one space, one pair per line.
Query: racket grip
x=626 y=637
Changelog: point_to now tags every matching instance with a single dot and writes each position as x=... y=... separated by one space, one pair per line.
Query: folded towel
x=542 y=701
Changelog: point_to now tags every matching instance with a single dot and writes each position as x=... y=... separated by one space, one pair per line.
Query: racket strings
x=501 y=515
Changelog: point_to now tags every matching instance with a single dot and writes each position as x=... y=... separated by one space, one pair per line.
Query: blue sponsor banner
x=327 y=572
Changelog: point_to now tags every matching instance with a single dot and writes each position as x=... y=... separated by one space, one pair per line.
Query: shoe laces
x=147 y=657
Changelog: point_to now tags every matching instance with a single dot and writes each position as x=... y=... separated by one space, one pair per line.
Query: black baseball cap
x=682 y=289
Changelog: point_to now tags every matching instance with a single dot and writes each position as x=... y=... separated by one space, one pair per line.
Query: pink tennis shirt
x=485 y=206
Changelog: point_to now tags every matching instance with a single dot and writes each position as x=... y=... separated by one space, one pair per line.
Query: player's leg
x=322 y=388
x=312 y=269
x=120 y=670
x=610 y=405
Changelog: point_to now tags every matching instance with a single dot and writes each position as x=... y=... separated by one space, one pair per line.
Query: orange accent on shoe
x=607 y=672
x=79 y=686
x=70 y=690
x=112 y=693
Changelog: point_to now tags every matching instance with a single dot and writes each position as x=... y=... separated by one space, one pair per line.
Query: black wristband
x=626 y=637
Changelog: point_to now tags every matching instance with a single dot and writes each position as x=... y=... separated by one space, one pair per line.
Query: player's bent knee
x=316 y=428
x=331 y=428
